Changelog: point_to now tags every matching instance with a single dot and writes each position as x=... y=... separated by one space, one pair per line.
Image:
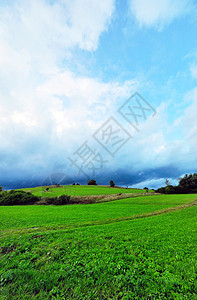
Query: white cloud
x=47 y=110
x=41 y=101
x=87 y=20
x=158 y=13
x=154 y=183
x=37 y=25
x=82 y=103
x=164 y=143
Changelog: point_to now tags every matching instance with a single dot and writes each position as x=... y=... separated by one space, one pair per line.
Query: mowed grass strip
x=52 y=217
x=151 y=258
x=80 y=190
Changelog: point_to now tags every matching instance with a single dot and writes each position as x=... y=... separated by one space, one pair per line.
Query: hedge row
x=23 y=198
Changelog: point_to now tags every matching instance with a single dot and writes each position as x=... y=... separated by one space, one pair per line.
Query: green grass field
x=112 y=250
x=80 y=190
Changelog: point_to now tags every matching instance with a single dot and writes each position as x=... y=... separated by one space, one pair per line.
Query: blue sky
x=66 y=68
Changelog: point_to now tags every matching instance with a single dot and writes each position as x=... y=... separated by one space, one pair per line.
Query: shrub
x=23 y=198
x=161 y=190
x=169 y=190
x=62 y=200
x=17 y=198
x=46 y=200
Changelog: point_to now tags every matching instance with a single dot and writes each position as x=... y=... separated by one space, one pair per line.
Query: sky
x=97 y=89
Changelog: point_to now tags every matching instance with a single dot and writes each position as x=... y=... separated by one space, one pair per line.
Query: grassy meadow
x=135 y=248
x=80 y=190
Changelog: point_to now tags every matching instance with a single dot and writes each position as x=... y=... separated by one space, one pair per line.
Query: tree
x=146 y=189
x=188 y=182
x=92 y=182
x=169 y=189
x=1 y=188
x=112 y=184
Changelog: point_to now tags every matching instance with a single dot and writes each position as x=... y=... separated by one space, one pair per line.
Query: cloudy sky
x=69 y=71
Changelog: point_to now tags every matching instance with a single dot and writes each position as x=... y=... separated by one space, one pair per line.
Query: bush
x=17 y=198
x=78 y=183
x=172 y=190
x=112 y=184
x=92 y=182
x=23 y=198
x=169 y=190
x=161 y=190
x=73 y=183
x=61 y=200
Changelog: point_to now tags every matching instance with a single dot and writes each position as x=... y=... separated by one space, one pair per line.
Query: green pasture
x=94 y=252
x=80 y=190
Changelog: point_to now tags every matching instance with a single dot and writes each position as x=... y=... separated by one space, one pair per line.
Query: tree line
x=186 y=185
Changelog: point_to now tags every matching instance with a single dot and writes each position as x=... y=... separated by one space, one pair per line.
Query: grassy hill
x=134 y=248
x=80 y=190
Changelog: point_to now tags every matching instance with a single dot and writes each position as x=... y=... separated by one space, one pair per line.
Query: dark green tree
x=112 y=184
x=188 y=182
x=92 y=182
